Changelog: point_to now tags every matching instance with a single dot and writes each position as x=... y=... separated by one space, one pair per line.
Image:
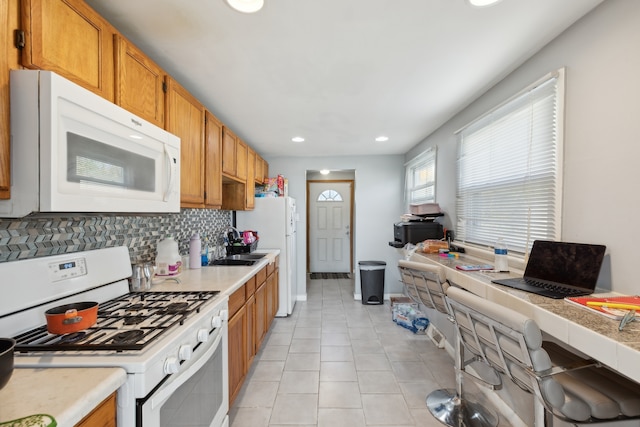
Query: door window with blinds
x=509 y=170
x=421 y=178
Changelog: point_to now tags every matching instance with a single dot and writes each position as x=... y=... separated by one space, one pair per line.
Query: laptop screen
x=574 y=264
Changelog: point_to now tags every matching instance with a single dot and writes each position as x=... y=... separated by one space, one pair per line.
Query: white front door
x=330 y=226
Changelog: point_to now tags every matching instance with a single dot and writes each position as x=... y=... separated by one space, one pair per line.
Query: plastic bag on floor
x=409 y=317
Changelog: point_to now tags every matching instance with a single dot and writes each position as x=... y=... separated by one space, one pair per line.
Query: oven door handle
x=181 y=377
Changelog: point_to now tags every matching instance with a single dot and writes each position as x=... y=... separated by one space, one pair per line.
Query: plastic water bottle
x=500 y=250
x=195 y=246
x=168 y=261
x=204 y=256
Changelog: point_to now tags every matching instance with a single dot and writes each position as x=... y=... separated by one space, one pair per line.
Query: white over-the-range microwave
x=73 y=151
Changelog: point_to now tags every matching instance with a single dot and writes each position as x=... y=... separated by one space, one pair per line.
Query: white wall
x=601 y=202
x=379 y=182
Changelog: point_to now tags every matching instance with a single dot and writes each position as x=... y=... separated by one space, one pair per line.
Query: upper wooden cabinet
x=251 y=183
x=238 y=194
x=258 y=175
x=242 y=152
x=71 y=39
x=228 y=152
x=265 y=170
x=185 y=118
x=139 y=82
x=262 y=170
x=9 y=21
x=234 y=157
x=213 y=162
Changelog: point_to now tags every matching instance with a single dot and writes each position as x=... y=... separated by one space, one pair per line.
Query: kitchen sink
x=246 y=256
x=229 y=261
x=238 y=259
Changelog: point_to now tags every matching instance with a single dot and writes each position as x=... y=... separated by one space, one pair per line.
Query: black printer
x=415 y=232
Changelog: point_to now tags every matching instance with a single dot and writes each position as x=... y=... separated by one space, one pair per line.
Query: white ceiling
x=339 y=72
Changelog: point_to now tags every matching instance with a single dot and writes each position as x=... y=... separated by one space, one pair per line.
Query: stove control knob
x=216 y=322
x=203 y=335
x=171 y=365
x=185 y=352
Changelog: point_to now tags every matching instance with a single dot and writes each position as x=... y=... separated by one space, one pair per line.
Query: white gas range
x=173 y=345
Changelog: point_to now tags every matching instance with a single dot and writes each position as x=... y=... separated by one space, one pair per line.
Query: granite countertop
x=69 y=394
x=66 y=394
x=588 y=332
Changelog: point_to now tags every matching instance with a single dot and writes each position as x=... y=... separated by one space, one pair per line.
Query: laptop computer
x=559 y=269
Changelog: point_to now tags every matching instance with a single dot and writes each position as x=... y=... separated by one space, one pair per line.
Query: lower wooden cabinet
x=272 y=298
x=104 y=415
x=261 y=314
x=251 y=350
x=251 y=312
x=237 y=350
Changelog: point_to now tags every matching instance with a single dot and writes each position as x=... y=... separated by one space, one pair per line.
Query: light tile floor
x=336 y=362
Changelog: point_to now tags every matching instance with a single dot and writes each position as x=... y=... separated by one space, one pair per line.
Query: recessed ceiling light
x=482 y=3
x=297 y=139
x=382 y=138
x=324 y=171
x=246 y=6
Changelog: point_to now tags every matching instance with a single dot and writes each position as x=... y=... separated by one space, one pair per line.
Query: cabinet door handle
x=19 y=39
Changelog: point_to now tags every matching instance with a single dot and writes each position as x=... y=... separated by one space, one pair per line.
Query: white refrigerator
x=274 y=218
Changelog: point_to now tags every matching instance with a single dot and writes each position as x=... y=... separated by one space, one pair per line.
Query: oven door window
x=93 y=162
x=197 y=396
x=197 y=401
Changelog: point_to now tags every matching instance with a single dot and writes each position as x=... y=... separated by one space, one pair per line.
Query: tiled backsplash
x=38 y=235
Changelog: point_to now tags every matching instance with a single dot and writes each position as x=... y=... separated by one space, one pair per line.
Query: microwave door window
x=94 y=164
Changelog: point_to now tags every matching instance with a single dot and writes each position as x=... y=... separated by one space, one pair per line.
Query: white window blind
x=509 y=170
x=421 y=178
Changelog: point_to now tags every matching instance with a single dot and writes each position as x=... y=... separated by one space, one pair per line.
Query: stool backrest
x=425 y=284
x=511 y=343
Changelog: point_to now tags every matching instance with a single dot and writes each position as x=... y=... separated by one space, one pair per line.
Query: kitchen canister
x=195 y=245
x=168 y=260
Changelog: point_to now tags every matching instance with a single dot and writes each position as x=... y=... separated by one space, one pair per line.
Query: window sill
x=516 y=262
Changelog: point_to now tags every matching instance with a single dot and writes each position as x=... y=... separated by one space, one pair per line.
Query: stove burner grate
x=128 y=337
x=133 y=320
x=175 y=308
x=159 y=311
x=72 y=337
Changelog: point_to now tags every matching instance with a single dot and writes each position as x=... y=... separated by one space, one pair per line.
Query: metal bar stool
x=566 y=387
x=426 y=284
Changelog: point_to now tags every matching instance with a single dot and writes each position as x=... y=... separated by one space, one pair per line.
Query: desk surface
x=590 y=333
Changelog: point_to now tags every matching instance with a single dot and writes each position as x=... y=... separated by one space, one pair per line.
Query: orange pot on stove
x=69 y=318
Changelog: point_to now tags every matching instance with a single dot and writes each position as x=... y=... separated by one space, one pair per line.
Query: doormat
x=315 y=276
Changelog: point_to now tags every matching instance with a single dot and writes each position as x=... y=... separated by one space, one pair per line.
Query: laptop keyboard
x=554 y=288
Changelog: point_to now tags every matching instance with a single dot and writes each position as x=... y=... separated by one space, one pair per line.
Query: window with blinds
x=421 y=178
x=509 y=170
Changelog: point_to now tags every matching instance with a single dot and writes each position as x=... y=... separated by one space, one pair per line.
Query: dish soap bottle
x=194 y=251
x=204 y=257
x=500 y=250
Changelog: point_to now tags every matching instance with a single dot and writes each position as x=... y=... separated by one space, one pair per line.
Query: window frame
x=428 y=159
x=519 y=238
